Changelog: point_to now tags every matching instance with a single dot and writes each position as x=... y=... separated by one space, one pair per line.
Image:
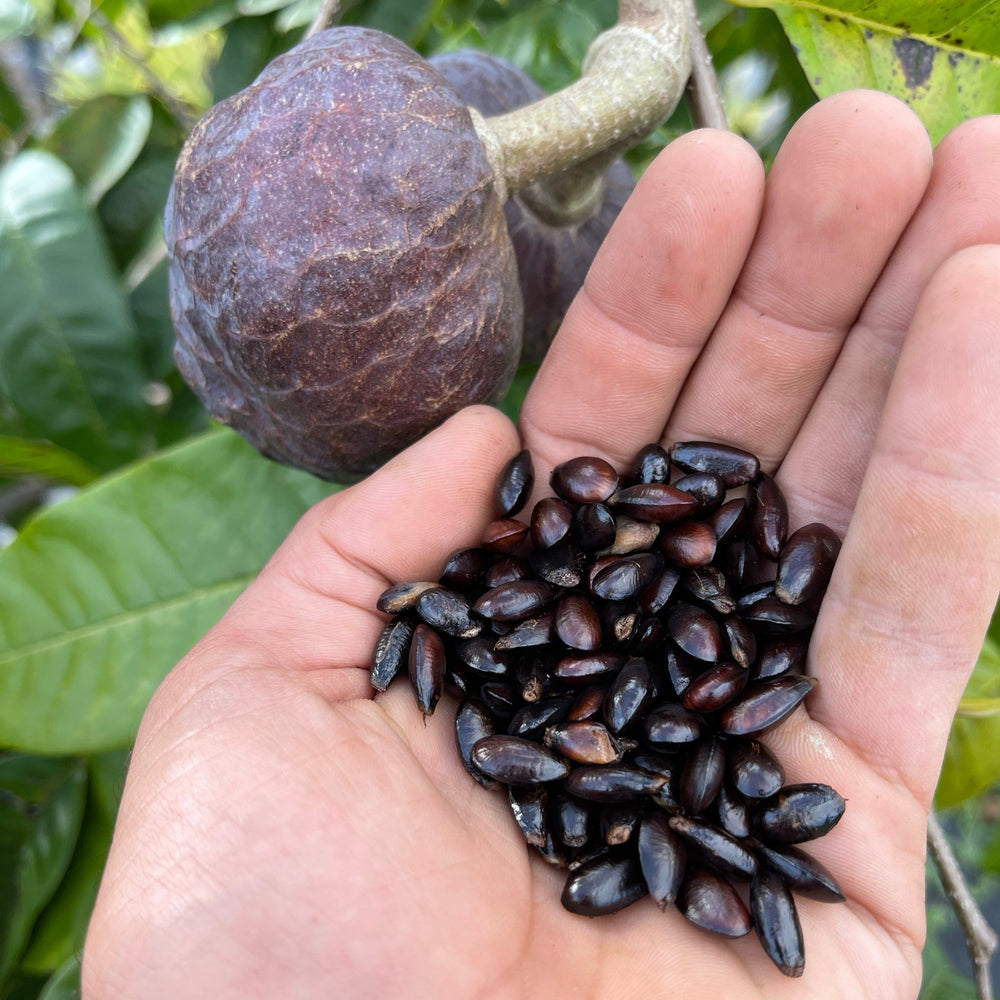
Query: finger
x=834 y=207
x=919 y=574
x=961 y=208
x=652 y=296
x=313 y=606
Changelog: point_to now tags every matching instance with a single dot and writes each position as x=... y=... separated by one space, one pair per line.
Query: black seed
x=530 y=633
x=472 y=723
x=511 y=602
x=465 y=568
x=662 y=857
x=514 y=485
x=479 y=654
x=604 y=884
x=588 y=703
x=516 y=761
x=718 y=848
x=688 y=543
x=507 y=569
x=530 y=807
x=655 y=597
x=798 y=813
x=582 y=668
x=428 y=667
x=551 y=519
x=780 y=656
x=504 y=535
x=585 y=480
x=500 y=698
x=727 y=522
x=701 y=777
x=652 y=465
x=577 y=623
x=628 y=695
x=531 y=720
x=777 y=923
x=682 y=670
x=765 y=703
x=733 y=811
x=707 y=489
x=557 y=566
x=627 y=576
x=391 y=652
x=752 y=769
x=709 y=585
x=448 y=612
x=768 y=516
x=733 y=466
x=655 y=502
x=710 y=902
x=773 y=617
x=612 y=783
x=402 y=597
x=619 y=822
x=806 y=564
x=593 y=526
x=571 y=821
x=716 y=687
x=742 y=641
x=696 y=632
x=802 y=872
x=669 y=725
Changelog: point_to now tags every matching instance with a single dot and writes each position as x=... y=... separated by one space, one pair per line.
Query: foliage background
x=128 y=524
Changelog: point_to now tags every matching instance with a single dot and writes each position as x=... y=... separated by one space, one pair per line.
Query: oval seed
x=586 y=742
x=733 y=811
x=581 y=668
x=530 y=807
x=716 y=687
x=507 y=569
x=802 y=872
x=777 y=922
x=529 y=633
x=504 y=535
x=688 y=543
x=768 y=516
x=696 y=632
x=733 y=466
x=585 y=480
x=479 y=654
x=465 y=568
x=752 y=769
x=701 y=777
x=402 y=596
x=727 y=522
x=773 y=617
x=571 y=821
x=806 y=564
x=531 y=720
x=448 y=612
x=612 y=783
x=671 y=724
x=652 y=465
x=605 y=884
x=721 y=850
x=514 y=485
x=655 y=502
x=510 y=602
x=780 y=656
x=625 y=577
x=472 y=723
x=551 y=519
x=391 y=652
x=428 y=666
x=628 y=695
x=517 y=761
x=799 y=813
x=710 y=902
x=707 y=489
x=593 y=526
x=765 y=703
x=662 y=857
x=577 y=623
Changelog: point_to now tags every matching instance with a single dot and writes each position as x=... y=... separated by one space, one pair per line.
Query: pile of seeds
x=619 y=657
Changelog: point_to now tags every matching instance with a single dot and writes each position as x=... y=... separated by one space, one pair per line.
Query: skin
x=284 y=833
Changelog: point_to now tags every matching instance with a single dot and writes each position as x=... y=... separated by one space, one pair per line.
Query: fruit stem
x=633 y=77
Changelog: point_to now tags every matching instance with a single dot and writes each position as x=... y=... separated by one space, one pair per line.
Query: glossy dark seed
x=768 y=516
x=588 y=665
x=530 y=807
x=707 y=489
x=652 y=465
x=479 y=655
x=727 y=522
x=428 y=666
x=530 y=633
x=731 y=558
x=716 y=687
x=504 y=535
x=682 y=670
x=531 y=720
x=571 y=821
x=710 y=902
x=665 y=764
x=588 y=703
x=605 y=884
x=612 y=783
x=619 y=822
x=688 y=543
x=620 y=619
x=806 y=564
x=671 y=725
x=557 y=566
x=798 y=813
x=655 y=597
x=585 y=480
x=628 y=695
x=511 y=602
x=755 y=594
x=402 y=597
x=733 y=811
x=719 y=849
x=472 y=723
x=777 y=922
x=448 y=612
x=514 y=485
x=655 y=502
x=764 y=703
x=780 y=656
x=534 y=678
x=632 y=536
x=696 y=632
x=593 y=526
x=517 y=761
x=742 y=641
x=551 y=519
x=577 y=623
x=773 y=617
x=627 y=576
x=553 y=853
x=507 y=569
x=391 y=652
x=585 y=742
x=733 y=466
x=701 y=776
x=648 y=637
x=752 y=769
x=708 y=584
x=500 y=698
x=465 y=568
x=802 y=872
x=662 y=857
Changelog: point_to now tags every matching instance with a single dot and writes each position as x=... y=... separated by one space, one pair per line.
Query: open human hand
x=284 y=833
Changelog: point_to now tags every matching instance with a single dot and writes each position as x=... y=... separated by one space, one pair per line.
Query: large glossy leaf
x=41 y=806
x=100 y=140
x=940 y=56
x=103 y=593
x=69 y=363
x=972 y=758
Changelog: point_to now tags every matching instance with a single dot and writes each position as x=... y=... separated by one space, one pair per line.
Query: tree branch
x=980 y=938
x=328 y=10
x=703 y=87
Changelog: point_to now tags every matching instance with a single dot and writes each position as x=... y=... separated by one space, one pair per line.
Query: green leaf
x=102 y=594
x=22 y=457
x=60 y=930
x=64 y=984
x=947 y=984
x=41 y=806
x=100 y=140
x=972 y=757
x=940 y=56
x=17 y=17
x=69 y=364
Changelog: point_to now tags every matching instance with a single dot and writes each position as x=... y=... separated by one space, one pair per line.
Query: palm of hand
x=283 y=834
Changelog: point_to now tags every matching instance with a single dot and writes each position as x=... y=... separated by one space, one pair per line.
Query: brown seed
x=777 y=922
x=716 y=687
x=652 y=465
x=733 y=466
x=585 y=480
x=577 y=623
x=504 y=535
x=773 y=617
x=768 y=516
x=709 y=585
x=500 y=698
x=721 y=850
x=428 y=666
x=655 y=502
x=507 y=570
x=448 y=612
x=402 y=597
x=631 y=536
x=798 y=813
x=662 y=857
x=688 y=543
x=801 y=872
x=655 y=597
x=727 y=522
x=604 y=884
x=612 y=783
x=571 y=821
x=765 y=703
x=531 y=720
x=530 y=633
x=731 y=559
x=701 y=776
x=619 y=822
x=707 y=489
x=530 y=807
x=709 y=901
x=593 y=526
x=780 y=656
x=472 y=723
x=733 y=811
x=583 y=668
x=682 y=671
x=465 y=568
x=479 y=654
x=517 y=761
x=391 y=652
x=742 y=641
x=586 y=742
x=752 y=769
x=551 y=519
x=511 y=602
x=670 y=725
x=514 y=485
x=588 y=703
x=628 y=695
x=806 y=564
x=626 y=576
x=696 y=632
